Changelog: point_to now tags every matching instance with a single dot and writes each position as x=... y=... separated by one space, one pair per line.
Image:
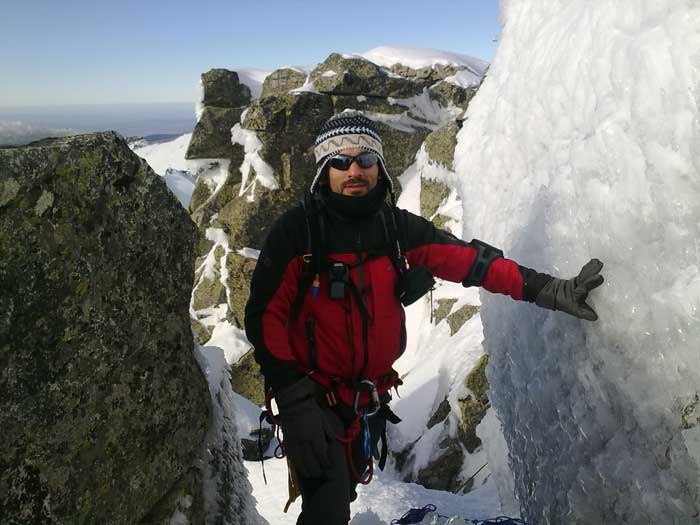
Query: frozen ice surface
x=584 y=141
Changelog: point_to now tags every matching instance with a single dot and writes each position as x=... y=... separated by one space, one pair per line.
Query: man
x=326 y=317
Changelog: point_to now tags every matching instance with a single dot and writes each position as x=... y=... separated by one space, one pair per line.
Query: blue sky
x=94 y=52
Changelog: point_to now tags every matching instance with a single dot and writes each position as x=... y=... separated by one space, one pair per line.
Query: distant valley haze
x=20 y=125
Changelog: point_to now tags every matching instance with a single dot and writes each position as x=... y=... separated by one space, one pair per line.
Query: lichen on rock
x=460 y=316
x=433 y=194
x=440 y=144
x=281 y=81
x=211 y=138
x=447 y=93
x=473 y=408
x=443 y=309
x=358 y=76
x=246 y=379
x=223 y=89
x=240 y=271
x=104 y=407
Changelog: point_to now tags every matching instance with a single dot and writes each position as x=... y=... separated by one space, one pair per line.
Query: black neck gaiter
x=355 y=207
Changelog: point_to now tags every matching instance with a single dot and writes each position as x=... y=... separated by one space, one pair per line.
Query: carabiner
x=373 y=395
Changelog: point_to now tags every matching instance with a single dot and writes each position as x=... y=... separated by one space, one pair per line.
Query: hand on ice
x=570 y=295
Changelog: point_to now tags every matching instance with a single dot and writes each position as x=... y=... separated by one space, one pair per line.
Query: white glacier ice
x=584 y=141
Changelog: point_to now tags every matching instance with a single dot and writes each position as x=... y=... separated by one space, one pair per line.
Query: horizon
x=82 y=53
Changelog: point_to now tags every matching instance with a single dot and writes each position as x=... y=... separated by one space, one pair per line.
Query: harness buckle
x=367 y=386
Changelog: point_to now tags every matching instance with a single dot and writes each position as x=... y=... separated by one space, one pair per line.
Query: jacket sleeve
x=450 y=258
x=273 y=290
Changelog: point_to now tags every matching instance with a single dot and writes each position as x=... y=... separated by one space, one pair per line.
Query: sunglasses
x=364 y=161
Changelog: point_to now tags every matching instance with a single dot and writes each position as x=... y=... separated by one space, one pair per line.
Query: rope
x=414 y=515
x=417 y=515
x=350 y=436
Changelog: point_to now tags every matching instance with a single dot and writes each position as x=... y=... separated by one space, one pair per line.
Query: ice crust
x=584 y=141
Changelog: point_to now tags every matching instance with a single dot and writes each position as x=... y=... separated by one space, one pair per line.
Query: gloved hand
x=570 y=295
x=306 y=430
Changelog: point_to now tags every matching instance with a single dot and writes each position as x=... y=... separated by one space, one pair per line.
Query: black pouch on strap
x=414 y=284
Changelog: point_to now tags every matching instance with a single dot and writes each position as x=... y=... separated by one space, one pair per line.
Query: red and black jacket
x=343 y=341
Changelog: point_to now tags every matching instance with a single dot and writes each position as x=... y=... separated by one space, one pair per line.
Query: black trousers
x=326 y=500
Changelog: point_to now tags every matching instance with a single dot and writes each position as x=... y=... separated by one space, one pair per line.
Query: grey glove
x=570 y=295
x=306 y=430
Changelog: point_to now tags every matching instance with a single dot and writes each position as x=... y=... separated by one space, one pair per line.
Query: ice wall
x=584 y=141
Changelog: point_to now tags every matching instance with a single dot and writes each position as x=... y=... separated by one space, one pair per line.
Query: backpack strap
x=394 y=238
x=314 y=258
x=314 y=253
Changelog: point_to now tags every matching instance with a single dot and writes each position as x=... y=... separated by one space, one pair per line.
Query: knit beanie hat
x=349 y=129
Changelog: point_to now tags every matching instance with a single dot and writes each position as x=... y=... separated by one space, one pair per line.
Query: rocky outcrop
x=104 y=408
x=425 y=76
x=460 y=316
x=340 y=75
x=444 y=470
x=440 y=144
x=222 y=89
x=282 y=81
x=432 y=194
x=449 y=93
x=211 y=138
x=473 y=407
x=246 y=379
x=223 y=101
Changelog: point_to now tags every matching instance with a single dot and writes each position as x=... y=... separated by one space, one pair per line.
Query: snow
x=465 y=78
x=222 y=463
x=252 y=161
x=168 y=160
x=250 y=253
x=308 y=87
x=253 y=78
x=165 y=155
x=421 y=112
x=417 y=58
x=380 y=502
x=583 y=141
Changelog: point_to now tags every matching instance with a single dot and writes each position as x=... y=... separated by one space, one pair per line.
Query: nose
x=355 y=169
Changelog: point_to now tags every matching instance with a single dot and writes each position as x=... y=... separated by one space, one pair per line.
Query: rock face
x=103 y=406
x=222 y=89
x=339 y=75
x=211 y=138
x=283 y=80
x=223 y=101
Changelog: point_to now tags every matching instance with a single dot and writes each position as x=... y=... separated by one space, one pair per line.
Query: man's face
x=355 y=181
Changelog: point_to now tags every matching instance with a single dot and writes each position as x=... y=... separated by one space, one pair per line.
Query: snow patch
x=252 y=161
x=417 y=58
x=253 y=78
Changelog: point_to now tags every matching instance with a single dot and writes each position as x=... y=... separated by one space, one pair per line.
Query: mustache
x=354 y=181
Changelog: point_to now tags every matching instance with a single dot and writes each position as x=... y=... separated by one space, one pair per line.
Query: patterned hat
x=349 y=129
